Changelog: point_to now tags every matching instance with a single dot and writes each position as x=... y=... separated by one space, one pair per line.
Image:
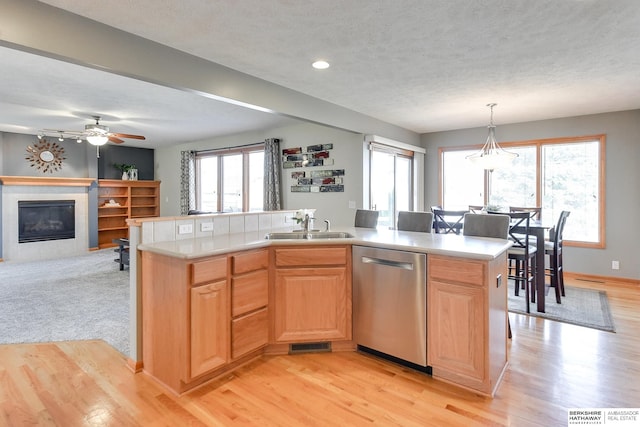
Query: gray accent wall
x=622 y=179
x=13 y=151
x=142 y=158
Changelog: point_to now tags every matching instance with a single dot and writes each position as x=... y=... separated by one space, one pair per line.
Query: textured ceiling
x=423 y=65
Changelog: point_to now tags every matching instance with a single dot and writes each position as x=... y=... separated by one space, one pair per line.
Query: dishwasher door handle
x=387 y=263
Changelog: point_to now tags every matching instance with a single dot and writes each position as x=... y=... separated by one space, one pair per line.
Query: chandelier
x=492 y=156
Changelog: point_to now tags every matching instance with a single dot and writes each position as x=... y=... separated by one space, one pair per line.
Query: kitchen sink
x=313 y=235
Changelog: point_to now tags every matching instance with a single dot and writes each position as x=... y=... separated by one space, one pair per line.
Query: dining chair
x=445 y=221
x=415 y=221
x=366 y=218
x=480 y=225
x=476 y=209
x=553 y=248
x=523 y=254
x=536 y=212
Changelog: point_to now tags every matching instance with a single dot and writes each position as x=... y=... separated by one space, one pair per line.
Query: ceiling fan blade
x=115 y=140
x=126 y=135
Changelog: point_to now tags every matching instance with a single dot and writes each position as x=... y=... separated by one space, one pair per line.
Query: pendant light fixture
x=492 y=156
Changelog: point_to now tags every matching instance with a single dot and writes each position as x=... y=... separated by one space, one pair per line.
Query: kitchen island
x=210 y=305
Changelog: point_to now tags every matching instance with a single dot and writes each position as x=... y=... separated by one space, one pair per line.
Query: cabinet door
x=312 y=304
x=209 y=327
x=457 y=335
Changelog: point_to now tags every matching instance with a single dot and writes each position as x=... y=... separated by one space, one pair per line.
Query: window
x=230 y=180
x=557 y=174
x=391 y=182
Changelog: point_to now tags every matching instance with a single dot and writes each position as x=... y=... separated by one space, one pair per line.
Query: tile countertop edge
x=439 y=244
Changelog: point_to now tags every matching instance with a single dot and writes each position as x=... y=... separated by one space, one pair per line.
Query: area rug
x=582 y=307
x=76 y=298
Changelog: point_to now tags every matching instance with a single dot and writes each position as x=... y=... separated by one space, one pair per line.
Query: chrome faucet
x=305 y=223
x=328 y=223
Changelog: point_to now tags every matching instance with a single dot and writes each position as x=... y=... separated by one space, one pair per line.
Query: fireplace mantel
x=46 y=181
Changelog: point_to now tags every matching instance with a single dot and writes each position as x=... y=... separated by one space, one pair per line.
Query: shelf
x=138 y=199
x=109 y=194
x=113 y=228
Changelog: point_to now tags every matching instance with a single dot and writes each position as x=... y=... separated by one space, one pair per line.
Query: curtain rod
x=214 y=150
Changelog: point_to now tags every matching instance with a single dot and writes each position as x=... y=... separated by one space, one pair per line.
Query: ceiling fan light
x=97 y=139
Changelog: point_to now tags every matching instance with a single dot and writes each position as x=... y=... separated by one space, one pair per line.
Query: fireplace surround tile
x=33 y=251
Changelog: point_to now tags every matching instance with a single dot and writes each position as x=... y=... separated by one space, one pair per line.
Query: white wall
x=347 y=154
x=111 y=50
x=622 y=179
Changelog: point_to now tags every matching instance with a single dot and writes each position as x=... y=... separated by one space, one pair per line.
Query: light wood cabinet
x=209 y=336
x=467 y=321
x=131 y=199
x=185 y=318
x=203 y=318
x=249 y=300
x=312 y=294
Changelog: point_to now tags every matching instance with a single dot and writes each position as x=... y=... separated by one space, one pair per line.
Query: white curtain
x=272 y=175
x=187 y=181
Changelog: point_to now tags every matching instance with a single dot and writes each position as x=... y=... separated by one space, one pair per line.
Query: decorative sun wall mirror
x=45 y=156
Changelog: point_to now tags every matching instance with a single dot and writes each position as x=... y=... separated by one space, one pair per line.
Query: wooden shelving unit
x=132 y=199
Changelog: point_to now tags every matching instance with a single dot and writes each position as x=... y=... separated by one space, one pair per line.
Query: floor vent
x=312 y=347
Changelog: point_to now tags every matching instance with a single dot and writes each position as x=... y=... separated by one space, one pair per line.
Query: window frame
x=245 y=151
x=538 y=144
x=395 y=151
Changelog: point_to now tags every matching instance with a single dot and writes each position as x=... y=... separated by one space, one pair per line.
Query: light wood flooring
x=553 y=367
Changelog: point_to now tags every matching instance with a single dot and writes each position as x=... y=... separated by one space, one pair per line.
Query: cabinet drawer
x=249 y=292
x=311 y=256
x=209 y=270
x=250 y=261
x=456 y=270
x=249 y=333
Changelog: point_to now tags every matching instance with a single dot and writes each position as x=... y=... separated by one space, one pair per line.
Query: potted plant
x=128 y=171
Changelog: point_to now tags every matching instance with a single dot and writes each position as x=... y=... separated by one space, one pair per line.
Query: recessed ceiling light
x=320 y=65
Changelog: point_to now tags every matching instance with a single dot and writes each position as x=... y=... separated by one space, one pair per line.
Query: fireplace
x=41 y=220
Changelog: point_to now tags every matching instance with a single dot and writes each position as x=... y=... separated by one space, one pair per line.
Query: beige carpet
x=76 y=298
x=582 y=307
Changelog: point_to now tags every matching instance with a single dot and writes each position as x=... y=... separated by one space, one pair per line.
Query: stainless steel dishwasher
x=390 y=304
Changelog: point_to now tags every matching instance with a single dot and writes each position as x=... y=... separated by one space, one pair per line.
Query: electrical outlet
x=615 y=265
x=352 y=204
x=185 y=228
x=206 y=226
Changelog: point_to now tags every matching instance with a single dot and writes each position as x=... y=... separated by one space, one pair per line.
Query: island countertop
x=429 y=243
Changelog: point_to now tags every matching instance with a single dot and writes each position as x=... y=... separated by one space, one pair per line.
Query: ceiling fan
x=95 y=134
